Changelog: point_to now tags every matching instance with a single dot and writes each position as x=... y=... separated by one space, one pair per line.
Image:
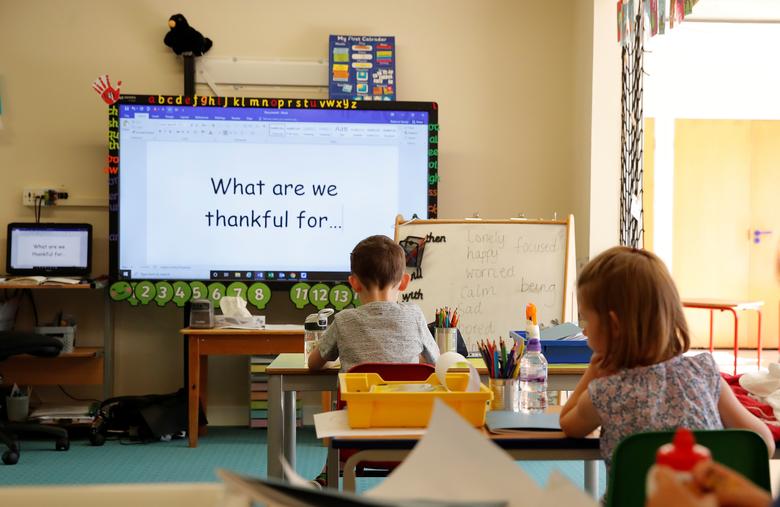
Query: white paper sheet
x=336 y=424
x=451 y=360
x=452 y=449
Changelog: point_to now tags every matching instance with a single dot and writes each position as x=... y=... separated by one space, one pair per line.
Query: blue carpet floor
x=238 y=449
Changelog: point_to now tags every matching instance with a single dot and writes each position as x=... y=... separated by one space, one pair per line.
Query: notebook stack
x=258 y=393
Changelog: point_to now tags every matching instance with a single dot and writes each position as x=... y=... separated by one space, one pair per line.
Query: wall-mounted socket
x=43 y=196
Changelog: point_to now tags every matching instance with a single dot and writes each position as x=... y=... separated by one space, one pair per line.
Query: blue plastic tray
x=561 y=351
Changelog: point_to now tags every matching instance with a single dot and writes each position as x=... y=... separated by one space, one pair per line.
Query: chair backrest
x=741 y=450
x=392 y=372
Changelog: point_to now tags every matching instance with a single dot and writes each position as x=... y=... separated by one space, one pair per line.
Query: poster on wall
x=362 y=67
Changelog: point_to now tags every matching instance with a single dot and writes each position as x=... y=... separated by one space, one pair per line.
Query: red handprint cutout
x=102 y=85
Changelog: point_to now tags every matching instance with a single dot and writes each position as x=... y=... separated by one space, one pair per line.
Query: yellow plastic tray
x=375 y=403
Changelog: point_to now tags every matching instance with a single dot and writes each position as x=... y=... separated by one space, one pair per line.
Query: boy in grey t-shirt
x=381 y=330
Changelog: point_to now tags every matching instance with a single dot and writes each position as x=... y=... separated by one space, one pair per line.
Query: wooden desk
x=288 y=374
x=543 y=446
x=228 y=342
x=83 y=366
x=733 y=306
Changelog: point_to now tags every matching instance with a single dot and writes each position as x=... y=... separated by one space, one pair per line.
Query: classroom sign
x=362 y=67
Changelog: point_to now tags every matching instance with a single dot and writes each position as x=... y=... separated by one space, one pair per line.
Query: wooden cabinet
x=83 y=366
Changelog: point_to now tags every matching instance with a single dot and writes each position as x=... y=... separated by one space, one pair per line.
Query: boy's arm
x=315 y=361
x=327 y=348
x=430 y=352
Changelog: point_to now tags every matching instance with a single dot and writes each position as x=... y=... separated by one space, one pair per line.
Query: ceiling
x=736 y=10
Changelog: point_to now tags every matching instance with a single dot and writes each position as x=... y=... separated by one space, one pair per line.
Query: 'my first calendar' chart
x=362 y=67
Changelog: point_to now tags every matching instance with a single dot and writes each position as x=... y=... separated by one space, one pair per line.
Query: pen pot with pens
x=446 y=334
x=17 y=404
x=503 y=365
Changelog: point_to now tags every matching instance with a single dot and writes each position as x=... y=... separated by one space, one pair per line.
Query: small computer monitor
x=49 y=249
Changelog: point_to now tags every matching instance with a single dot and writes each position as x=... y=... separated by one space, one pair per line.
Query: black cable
x=66 y=393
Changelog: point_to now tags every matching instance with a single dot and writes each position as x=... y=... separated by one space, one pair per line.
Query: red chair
x=390 y=372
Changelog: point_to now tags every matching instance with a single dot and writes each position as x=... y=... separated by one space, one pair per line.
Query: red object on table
x=759 y=409
x=732 y=306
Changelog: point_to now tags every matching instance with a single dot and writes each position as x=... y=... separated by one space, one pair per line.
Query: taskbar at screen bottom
x=224 y=275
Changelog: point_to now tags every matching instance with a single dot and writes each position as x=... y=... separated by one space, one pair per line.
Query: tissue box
x=65 y=334
x=561 y=351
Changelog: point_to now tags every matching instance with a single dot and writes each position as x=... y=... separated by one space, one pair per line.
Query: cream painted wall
x=583 y=90
x=605 y=131
x=508 y=75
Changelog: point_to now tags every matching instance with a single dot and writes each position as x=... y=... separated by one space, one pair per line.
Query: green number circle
x=181 y=293
x=355 y=299
x=237 y=289
x=259 y=295
x=145 y=292
x=299 y=294
x=318 y=296
x=132 y=299
x=120 y=291
x=340 y=296
x=216 y=292
x=199 y=290
x=164 y=293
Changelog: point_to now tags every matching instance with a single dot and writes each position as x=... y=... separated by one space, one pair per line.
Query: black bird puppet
x=182 y=38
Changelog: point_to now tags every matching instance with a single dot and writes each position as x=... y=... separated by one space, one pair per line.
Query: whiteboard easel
x=490 y=269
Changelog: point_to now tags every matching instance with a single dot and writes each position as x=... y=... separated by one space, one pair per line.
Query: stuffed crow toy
x=182 y=38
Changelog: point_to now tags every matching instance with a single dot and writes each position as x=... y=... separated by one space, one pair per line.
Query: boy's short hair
x=636 y=285
x=378 y=262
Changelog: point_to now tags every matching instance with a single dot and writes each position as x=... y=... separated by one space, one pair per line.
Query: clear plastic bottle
x=314 y=326
x=533 y=378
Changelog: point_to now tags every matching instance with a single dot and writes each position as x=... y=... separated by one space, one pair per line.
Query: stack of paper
x=565 y=331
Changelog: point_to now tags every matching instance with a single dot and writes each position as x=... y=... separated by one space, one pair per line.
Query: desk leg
x=758 y=339
x=193 y=383
x=736 y=337
x=592 y=478
x=204 y=392
x=275 y=426
x=711 y=347
x=289 y=427
x=333 y=468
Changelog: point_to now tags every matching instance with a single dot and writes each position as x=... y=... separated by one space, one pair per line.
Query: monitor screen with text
x=219 y=192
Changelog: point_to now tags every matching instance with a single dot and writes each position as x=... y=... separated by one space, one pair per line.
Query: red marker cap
x=683 y=453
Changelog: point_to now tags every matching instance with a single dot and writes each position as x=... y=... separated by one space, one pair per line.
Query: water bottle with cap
x=314 y=326
x=533 y=368
x=681 y=456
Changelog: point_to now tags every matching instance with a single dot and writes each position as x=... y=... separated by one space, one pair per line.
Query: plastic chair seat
x=741 y=450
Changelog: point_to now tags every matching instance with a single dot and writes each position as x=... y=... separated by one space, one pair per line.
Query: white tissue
x=234 y=306
x=452 y=360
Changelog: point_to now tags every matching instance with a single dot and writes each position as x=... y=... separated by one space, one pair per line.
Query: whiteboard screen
x=490 y=272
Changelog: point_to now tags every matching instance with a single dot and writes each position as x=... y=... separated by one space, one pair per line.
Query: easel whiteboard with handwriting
x=490 y=270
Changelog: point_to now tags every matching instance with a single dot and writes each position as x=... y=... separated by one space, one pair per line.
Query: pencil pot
x=447 y=339
x=506 y=394
x=17 y=407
